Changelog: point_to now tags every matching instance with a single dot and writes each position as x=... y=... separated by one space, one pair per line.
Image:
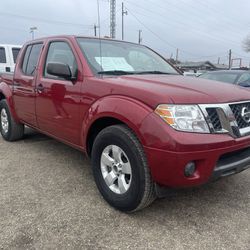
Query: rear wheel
x=120 y=169
x=9 y=128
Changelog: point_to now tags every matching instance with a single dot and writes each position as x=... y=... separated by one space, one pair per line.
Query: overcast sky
x=202 y=30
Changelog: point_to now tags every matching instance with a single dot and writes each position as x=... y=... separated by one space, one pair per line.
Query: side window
x=60 y=52
x=26 y=58
x=2 y=55
x=15 y=52
x=33 y=59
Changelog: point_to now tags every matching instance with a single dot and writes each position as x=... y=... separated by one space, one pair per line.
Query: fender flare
x=6 y=90
x=127 y=110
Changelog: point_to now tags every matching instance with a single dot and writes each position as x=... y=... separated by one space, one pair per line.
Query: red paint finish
x=168 y=152
x=66 y=110
x=58 y=105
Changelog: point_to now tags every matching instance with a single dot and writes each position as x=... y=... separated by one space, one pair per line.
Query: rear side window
x=31 y=59
x=15 y=52
x=26 y=57
x=2 y=55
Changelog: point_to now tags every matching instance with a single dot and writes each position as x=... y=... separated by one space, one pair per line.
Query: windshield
x=122 y=58
x=221 y=77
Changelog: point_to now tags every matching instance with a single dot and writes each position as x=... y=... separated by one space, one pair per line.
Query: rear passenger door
x=58 y=101
x=24 y=84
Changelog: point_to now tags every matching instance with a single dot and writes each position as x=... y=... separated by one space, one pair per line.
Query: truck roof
x=75 y=36
x=11 y=45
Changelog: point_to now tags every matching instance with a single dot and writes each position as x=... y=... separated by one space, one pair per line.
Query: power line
x=200 y=18
x=155 y=34
x=196 y=30
x=217 y=10
x=166 y=42
x=151 y=31
x=45 y=20
x=174 y=22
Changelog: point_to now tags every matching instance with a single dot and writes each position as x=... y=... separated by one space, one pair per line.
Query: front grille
x=228 y=118
x=237 y=110
x=214 y=118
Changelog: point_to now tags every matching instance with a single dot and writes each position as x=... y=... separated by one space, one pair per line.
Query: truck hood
x=156 y=89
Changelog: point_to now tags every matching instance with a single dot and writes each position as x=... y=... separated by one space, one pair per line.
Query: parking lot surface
x=48 y=200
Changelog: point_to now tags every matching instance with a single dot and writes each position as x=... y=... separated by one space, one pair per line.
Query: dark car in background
x=239 y=77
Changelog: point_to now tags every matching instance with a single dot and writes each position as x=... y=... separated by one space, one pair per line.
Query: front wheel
x=120 y=169
x=9 y=128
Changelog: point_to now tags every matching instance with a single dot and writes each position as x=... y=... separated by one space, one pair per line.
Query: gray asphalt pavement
x=48 y=200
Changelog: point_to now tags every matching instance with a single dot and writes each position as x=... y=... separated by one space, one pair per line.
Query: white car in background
x=192 y=74
x=8 y=56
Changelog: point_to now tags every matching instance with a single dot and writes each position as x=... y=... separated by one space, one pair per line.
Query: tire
x=9 y=128
x=132 y=188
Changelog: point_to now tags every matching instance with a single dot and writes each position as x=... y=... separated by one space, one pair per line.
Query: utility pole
x=112 y=18
x=230 y=59
x=95 y=29
x=123 y=13
x=140 y=37
x=177 y=55
x=32 y=31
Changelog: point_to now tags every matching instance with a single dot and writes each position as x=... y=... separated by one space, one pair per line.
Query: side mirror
x=59 y=69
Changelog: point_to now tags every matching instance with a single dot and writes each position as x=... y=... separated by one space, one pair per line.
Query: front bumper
x=169 y=151
x=232 y=163
x=168 y=168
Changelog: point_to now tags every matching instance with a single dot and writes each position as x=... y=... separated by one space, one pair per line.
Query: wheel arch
x=111 y=111
x=6 y=93
x=2 y=96
x=96 y=128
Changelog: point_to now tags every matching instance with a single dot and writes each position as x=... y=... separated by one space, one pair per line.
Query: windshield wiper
x=156 y=72
x=115 y=72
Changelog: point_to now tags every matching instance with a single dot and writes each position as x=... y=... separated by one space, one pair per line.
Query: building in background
x=203 y=66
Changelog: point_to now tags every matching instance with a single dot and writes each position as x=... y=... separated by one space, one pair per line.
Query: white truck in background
x=8 y=56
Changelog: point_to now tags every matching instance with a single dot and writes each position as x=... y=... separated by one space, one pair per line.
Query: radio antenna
x=99 y=33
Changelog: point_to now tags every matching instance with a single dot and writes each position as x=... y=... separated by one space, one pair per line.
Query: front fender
x=6 y=90
x=127 y=110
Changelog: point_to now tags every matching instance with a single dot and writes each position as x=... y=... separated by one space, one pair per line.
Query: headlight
x=187 y=118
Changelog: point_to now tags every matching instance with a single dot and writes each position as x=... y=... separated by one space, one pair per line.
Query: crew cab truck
x=144 y=126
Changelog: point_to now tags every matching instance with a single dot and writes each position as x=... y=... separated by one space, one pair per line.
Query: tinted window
x=15 y=52
x=26 y=58
x=2 y=55
x=60 y=52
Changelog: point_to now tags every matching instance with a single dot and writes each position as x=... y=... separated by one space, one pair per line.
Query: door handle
x=40 y=88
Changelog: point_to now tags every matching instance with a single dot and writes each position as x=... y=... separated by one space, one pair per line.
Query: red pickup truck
x=144 y=125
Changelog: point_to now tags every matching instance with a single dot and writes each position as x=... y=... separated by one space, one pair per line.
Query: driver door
x=57 y=102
